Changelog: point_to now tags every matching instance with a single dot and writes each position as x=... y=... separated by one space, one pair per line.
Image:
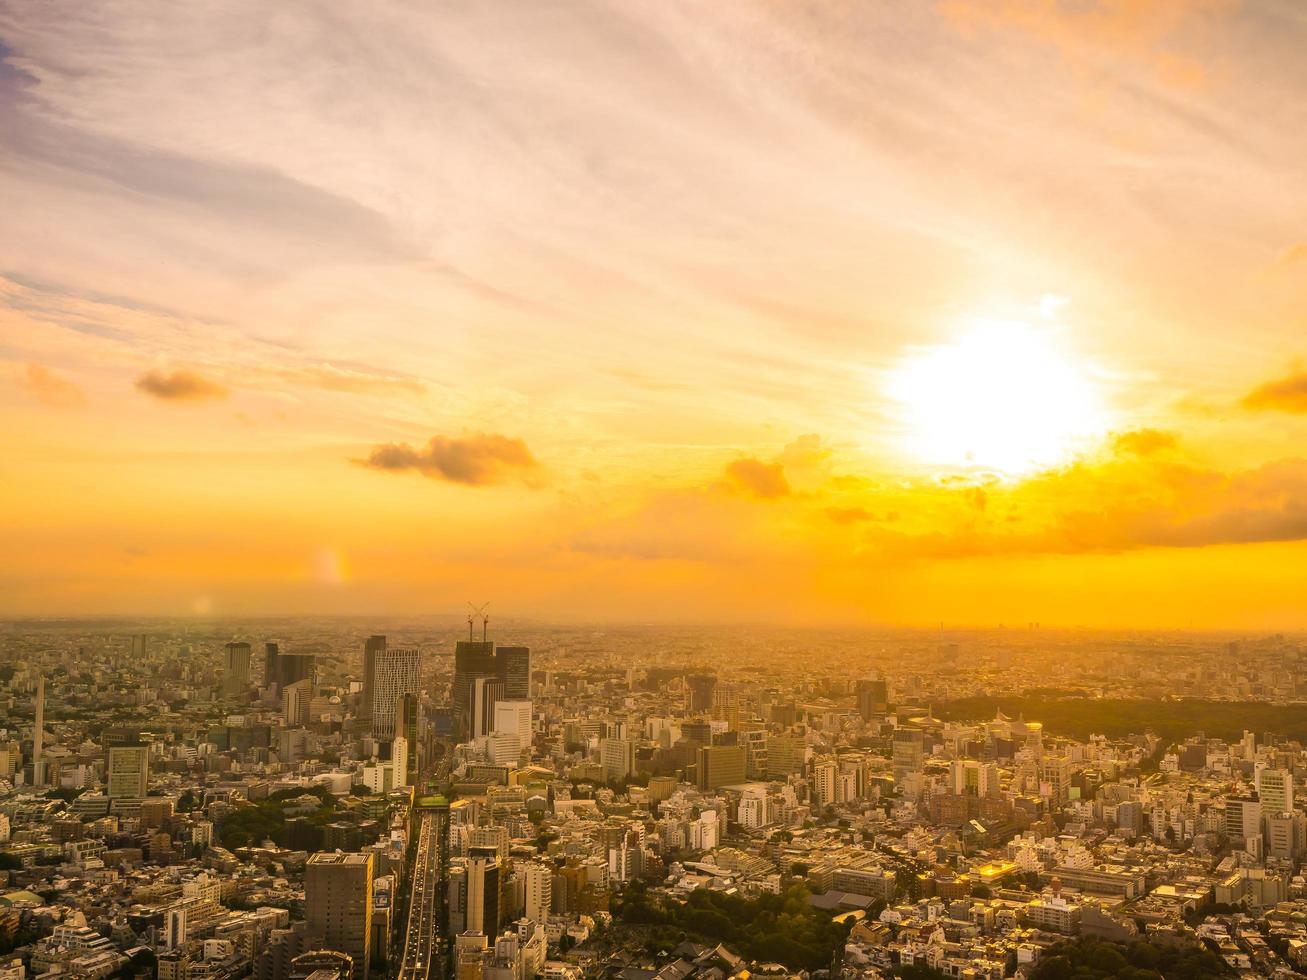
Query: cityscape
x=653 y=489
x=191 y=799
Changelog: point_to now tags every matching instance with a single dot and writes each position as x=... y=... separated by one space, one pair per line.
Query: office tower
x=514 y=717
x=128 y=772
x=139 y=645
x=909 y=752
x=295 y=701
x=174 y=927
x=270 y=655
x=701 y=688
x=38 y=735
x=617 y=756
x=513 y=666
x=472 y=660
x=486 y=694
x=399 y=762
x=410 y=726
x=539 y=881
x=371 y=647
x=295 y=667
x=720 y=765
x=338 y=905
x=1275 y=790
x=484 y=888
x=236 y=670
x=787 y=753
x=873 y=698
x=394 y=674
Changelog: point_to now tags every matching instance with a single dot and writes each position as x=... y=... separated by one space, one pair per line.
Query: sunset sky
x=975 y=311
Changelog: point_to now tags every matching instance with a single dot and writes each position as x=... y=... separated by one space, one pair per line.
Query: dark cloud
x=763 y=480
x=180 y=385
x=1287 y=394
x=477 y=460
x=1143 y=442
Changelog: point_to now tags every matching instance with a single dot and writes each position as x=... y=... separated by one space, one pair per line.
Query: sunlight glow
x=1003 y=397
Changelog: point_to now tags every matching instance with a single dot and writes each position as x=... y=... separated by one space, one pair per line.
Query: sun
x=1003 y=397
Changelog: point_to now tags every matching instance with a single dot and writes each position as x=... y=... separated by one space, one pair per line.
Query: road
x=422 y=959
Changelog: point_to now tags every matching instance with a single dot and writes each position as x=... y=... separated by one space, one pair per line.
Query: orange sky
x=976 y=311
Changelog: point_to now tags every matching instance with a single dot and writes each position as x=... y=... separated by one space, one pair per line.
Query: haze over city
x=853 y=313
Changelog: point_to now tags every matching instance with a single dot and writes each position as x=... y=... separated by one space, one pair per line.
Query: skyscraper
x=371 y=647
x=338 y=904
x=538 y=878
x=472 y=659
x=271 y=653
x=394 y=674
x=513 y=665
x=236 y=669
x=486 y=694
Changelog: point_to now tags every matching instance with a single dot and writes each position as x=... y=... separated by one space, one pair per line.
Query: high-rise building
x=514 y=717
x=539 y=882
x=338 y=905
x=787 y=753
x=139 y=645
x=486 y=694
x=472 y=660
x=824 y=771
x=271 y=653
x=513 y=666
x=38 y=734
x=701 y=688
x=1275 y=790
x=128 y=774
x=394 y=674
x=873 y=698
x=481 y=672
x=371 y=647
x=720 y=765
x=909 y=752
x=484 y=890
x=174 y=927
x=295 y=701
x=617 y=756
x=236 y=669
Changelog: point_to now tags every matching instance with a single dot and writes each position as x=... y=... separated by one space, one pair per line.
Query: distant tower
x=38 y=734
x=236 y=670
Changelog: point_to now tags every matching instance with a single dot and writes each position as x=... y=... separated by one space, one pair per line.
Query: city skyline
x=867 y=314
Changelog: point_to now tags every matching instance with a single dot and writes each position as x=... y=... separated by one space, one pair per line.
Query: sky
x=965 y=312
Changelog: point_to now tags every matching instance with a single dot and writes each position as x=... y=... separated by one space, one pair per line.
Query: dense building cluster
x=309 y=800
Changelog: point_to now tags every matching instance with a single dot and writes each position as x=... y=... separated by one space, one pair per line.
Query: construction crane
x=473 y=612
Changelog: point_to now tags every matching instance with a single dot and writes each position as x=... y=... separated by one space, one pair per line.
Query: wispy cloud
x=51 y=389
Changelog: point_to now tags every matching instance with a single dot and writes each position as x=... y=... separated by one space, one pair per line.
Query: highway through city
x=422 y=959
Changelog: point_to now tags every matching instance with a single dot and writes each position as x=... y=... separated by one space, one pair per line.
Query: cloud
x=763 y=480
x=1143 y=442
x=477 y=460
x=1148 y=32
x=1287 y=394
x=52 y=390
x=331 y=377
x=179 y=385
